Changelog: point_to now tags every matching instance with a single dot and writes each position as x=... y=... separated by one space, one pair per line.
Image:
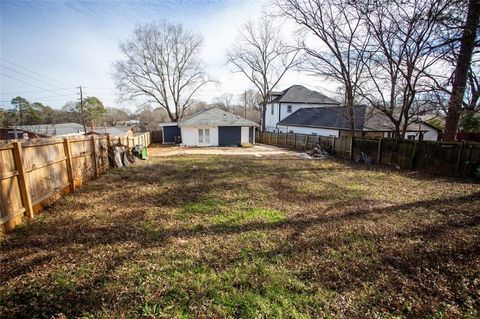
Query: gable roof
x=327 y=117
x=300 y=94
x=215 y=117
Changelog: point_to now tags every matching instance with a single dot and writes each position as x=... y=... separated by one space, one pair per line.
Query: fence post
x=94 y=156
x=414 y=153
x=459 y=157
x=306 y=141
x=109 y=140
x=286 y=136
x=333 y=145
x=22 y=179
x=351 y=147
x=379 y=151
x=68 y=154
x=294 y=141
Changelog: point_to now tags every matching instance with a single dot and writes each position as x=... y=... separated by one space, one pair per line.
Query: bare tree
x=338 y=42
x=161 y=64
x=225 y=101
x=114 y=115
x=263 y=57
x=150 y=117
x=251 y=99
x=401 y=56
x=461 y=70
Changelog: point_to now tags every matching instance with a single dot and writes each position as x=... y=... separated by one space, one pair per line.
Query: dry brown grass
x=210 y=236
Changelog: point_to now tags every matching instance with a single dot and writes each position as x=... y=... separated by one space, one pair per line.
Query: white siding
x=271 y=120
x=309 y=130
x=245 y=134
x=190 y=135
x=430 y=134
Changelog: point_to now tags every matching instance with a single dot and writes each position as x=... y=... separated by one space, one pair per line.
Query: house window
x=272 y=110
x=204 y=135
x=411 y=137
x=314 y=134
x=289 y=109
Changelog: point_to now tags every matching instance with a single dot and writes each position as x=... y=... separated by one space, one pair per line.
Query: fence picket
x=40 y=170
x=424 y=155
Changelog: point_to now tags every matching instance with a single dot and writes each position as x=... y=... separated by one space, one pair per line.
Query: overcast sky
x=48 y=48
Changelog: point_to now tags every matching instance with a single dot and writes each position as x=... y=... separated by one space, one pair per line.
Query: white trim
x=168 y=124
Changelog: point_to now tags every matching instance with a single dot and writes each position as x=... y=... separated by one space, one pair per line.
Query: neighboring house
x=14 y=134
x=300 y=110
x=333 y=121
x=285 y=103
x=130 y=123
x=114 y=131
x=377 y=123
x=65 y=129
x=211 y=127
x=50 y=130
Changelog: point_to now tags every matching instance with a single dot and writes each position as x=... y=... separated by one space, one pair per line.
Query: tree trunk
x=467 y=45
x=351 y=114
x=262 y=117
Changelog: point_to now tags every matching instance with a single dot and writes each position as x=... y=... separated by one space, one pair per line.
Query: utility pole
x=83 y=113
x=245 y=100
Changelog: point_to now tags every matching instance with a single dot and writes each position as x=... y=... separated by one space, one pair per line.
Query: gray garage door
x=169 y=133
x=229 y=135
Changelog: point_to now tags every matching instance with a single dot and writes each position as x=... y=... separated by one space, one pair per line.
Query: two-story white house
x=284 y=103
x=300 y=110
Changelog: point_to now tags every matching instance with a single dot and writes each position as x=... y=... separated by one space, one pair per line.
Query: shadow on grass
x=175 y=184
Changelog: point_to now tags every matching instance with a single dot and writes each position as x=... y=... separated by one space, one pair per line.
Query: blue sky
x=72 y=43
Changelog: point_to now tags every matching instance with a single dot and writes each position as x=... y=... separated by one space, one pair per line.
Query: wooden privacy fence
x=157 y=136
x=35 y=173
x=443 y=158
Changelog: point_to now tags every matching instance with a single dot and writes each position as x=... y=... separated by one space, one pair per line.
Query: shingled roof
x=300 y=94
x=326 y=117
x=61 y=129
x=215 y=117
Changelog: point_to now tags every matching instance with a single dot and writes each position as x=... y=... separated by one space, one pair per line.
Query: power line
x=38 y=91
x=53 y=97
x=29 y=70
x=30 y=77
x=14 y=78
x=47 y=99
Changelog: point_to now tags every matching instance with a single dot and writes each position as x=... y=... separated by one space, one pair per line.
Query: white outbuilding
x=212 y=127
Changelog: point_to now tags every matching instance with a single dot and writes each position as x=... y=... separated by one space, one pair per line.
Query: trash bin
x=144 y=154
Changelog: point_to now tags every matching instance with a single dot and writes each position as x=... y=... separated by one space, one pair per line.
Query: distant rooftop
x=300 y=94
x=327 y=117
x=62 y=129
x=114 y=131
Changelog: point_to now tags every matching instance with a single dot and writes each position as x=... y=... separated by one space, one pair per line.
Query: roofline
x=315 y=126
x=347 y=129
x=168 y=124
x=194 y=125
x=429 y=125
x=336 y=104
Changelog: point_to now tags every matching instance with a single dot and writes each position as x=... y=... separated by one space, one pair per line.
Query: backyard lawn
x=251 y=237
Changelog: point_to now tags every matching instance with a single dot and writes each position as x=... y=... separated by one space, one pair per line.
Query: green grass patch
x=202 y=207
x=240 y=217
